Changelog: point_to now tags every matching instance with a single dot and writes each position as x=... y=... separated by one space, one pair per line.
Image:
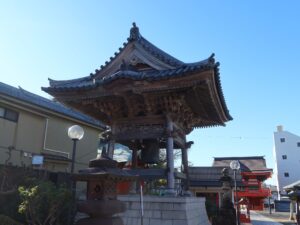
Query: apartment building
x=287 y=158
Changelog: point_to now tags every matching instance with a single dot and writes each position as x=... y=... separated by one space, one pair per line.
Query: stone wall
x=165 y=210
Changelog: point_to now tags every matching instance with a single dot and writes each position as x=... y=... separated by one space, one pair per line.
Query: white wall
x=291 y=164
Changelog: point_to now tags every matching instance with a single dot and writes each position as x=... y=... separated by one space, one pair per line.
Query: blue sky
x=256 y=42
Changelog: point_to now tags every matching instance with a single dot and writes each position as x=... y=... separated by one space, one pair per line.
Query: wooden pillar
x=170 y=155
x=134 y=158
x=111 y=148
x=184 y=160
x=111 y=143
x=185 y=163
x=134 y=163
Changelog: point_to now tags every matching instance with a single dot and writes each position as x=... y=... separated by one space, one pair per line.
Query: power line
x=237 y=137
x=12 y=148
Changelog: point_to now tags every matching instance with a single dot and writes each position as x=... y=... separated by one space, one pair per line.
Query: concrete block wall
x=164 y=210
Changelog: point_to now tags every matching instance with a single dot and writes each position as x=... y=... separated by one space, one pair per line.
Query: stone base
x=100 y=221
x=101 y=208
x=164 y=210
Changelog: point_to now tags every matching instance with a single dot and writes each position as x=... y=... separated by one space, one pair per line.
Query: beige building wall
x=38 y=132
x=29 y=133
x=7 y=136
x=57 y=141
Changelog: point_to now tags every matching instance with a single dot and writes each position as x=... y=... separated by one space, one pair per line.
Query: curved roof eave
x=86 y=84
x=135 y=36
x=89 y=82
x=220 y=90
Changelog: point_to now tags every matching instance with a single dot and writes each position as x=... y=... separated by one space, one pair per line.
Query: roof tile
x=26 y=96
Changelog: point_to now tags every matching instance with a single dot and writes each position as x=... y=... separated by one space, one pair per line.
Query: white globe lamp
x=235 y=165
x=75 y=132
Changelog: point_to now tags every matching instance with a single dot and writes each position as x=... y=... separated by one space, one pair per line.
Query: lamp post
x=75 y=133
x=235 y=166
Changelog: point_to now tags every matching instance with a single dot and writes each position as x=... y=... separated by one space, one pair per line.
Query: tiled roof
x=136 y=37
x=150 y=75
x=173 y=68
x=28 y=97
x=210 y=176
x=247 y=164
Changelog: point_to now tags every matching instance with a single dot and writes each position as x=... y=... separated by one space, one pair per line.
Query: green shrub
x=9 y=206
x=5 y=220
x=10 y=178
x=44 y=203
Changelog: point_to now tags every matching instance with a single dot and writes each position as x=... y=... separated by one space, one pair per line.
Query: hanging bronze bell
x=150 y=151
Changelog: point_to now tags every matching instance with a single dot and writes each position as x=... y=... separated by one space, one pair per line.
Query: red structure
x=254 y=191
x=254 y=172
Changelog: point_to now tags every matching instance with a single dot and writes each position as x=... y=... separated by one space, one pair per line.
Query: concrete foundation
x=164 y=210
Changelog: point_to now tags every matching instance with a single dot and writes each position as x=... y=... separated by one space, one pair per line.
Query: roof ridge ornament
x=134 y=33
x=211 y=58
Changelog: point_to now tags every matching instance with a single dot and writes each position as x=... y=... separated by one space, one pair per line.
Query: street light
x=235 y=166
x=76 y=133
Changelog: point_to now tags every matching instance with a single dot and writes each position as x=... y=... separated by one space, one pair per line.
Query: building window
x=298 y=144
x=284 y=156
x=286 y=174
x=282 y=139
x=9 y=114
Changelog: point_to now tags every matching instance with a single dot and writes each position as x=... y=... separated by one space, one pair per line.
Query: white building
x=287 y=158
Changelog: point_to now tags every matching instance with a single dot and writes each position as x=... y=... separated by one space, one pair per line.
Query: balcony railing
x=261 y=192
